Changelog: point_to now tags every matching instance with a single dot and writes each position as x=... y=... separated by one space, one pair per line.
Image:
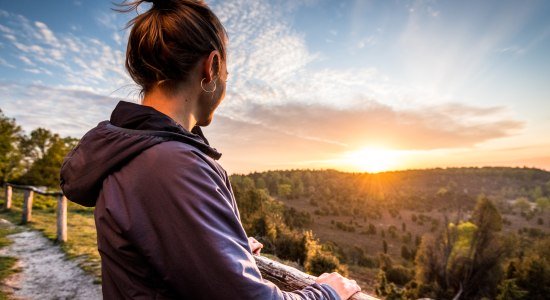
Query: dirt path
x=46 y=273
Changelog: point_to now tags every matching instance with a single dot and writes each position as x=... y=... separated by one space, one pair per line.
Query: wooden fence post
x=7 y=204
x=27 y=207
x=61 y=218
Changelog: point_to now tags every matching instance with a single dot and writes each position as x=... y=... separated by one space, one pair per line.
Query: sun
x=372 y=160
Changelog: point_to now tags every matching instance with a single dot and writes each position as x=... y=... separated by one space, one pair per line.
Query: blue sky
x=314 y=83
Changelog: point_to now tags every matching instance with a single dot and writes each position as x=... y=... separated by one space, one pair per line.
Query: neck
x=180 y=106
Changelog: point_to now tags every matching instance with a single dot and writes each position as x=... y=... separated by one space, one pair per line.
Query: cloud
x=248 y=146
x=64 y=110
x=26 y=60
x=47 y=34
x=5 y=29
x=4 y=63
x=38 y=71
x=305 y=136
x=115 y=23
x=75 y=60
x=424 y=128
x=257 y=63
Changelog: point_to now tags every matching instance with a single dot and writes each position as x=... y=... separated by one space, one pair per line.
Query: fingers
x=255 y=245
x=322 y=276
x=254 y=241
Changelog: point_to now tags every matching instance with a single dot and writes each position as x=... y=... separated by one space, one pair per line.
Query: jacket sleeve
x=187 y=228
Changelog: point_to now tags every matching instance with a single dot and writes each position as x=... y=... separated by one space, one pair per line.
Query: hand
x=255 y=245
x=344 y=287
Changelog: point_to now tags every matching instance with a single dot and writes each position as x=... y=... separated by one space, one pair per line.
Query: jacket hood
x=110 y=145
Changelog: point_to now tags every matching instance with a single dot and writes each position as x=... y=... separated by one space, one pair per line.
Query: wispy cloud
x=3 y=62
x=66 y=110
x=445 y=126
x=115 y=23
x=83 y=61
x=46 y=34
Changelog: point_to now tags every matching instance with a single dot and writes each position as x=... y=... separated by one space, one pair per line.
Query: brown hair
x=167 y=41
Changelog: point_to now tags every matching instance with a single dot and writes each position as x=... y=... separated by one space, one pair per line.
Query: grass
x=7 y=263
x=81 y=244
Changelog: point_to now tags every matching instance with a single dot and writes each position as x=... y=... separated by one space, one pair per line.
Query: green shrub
x=322 y=262
x=399 y=275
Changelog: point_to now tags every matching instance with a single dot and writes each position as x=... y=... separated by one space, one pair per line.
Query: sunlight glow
x=373 y=160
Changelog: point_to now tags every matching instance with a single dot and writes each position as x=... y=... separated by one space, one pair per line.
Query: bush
x=372 y=229
x=399 y=275
x=344 y=227
x=291 y=246
x=322 y=262
x=368 y=261
x=296 y=219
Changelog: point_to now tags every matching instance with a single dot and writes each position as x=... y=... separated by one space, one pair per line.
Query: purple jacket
x=168 y=226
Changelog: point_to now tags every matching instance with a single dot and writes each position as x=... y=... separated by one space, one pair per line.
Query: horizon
x=354 y=86
x=393 y=171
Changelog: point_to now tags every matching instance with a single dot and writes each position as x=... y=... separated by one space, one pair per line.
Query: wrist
x=331 y=291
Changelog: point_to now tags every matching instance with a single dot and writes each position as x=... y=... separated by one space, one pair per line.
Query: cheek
x=223 y=92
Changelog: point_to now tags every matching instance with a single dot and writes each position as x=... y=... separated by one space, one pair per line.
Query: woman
x=168 y=226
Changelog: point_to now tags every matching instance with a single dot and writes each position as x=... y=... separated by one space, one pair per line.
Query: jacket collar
x=135 y=116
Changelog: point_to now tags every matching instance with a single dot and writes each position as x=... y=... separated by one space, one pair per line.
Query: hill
x=359 y=216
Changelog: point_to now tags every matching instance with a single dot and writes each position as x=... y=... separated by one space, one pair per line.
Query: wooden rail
x=26 y=214
x=290 y=279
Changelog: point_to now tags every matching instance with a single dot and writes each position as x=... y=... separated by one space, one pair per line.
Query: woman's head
x=171 y=41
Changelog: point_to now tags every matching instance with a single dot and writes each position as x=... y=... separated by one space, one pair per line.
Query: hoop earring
x=205 y=89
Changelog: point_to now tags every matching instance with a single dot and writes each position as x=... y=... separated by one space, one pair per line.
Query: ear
x=211 y=66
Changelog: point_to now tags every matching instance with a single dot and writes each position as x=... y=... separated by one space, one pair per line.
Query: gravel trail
x=46 y=272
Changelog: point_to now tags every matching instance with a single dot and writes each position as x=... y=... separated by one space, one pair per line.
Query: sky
x=349 y=85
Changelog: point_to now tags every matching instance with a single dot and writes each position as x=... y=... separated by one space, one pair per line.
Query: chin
x=204 y=123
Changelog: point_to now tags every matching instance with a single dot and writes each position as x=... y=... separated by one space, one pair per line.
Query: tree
x=387 y=289
x=319 y=261
x=522 y=204
x=284 y=190
x=10 y=156
x=528 y=276
x=45 y=151
x=543 y=203
x=37 y=144
x=509 y=290
x=466 y=256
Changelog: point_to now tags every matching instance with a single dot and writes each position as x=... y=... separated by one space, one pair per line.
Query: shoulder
x=173 y=157
x=173 y=150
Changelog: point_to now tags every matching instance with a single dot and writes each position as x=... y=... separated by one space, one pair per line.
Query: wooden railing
x=285 y=277
x=26 y=214
x=290 y=279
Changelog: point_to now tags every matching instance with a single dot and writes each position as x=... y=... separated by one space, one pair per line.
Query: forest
x=478 y=232
x=481 y=232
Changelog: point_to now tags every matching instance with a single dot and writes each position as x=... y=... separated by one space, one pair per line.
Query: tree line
x=33 y=158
